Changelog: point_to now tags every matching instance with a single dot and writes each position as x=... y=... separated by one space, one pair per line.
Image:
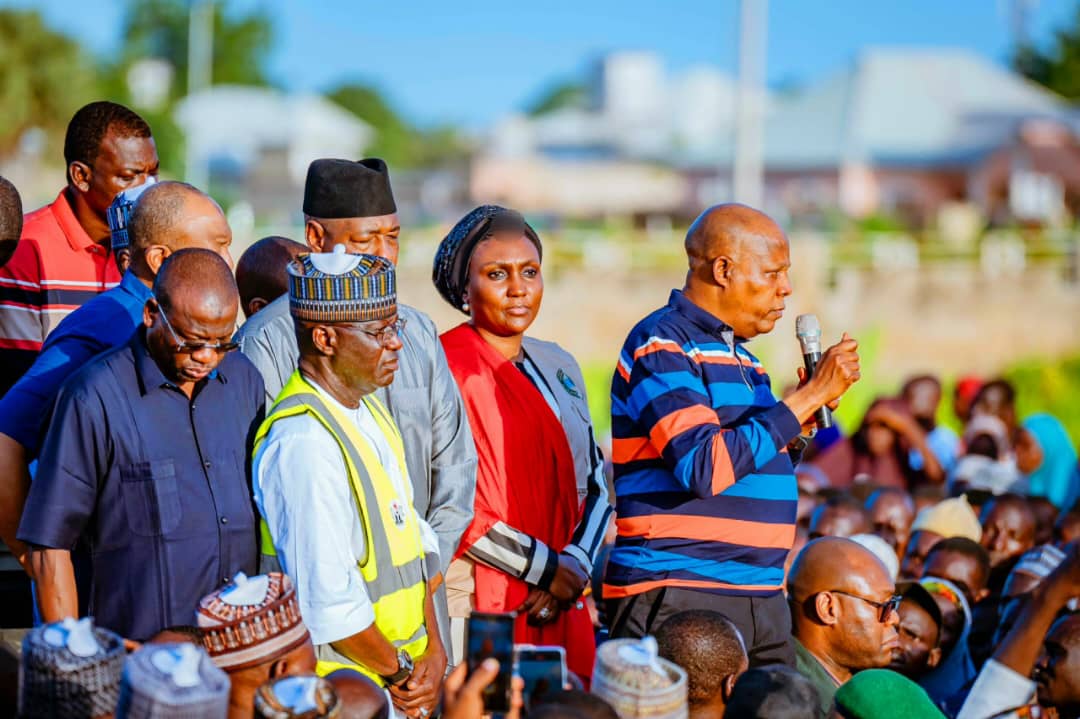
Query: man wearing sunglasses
x=145 y=461
x=843 y=613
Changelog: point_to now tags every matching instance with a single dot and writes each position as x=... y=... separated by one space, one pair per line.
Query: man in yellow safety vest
x=331 y=483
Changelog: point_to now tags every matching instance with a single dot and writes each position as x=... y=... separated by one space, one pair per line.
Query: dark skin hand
x=421 y=689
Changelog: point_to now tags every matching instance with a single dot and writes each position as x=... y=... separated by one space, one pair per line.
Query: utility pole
x=749 y=171
x=200 y=75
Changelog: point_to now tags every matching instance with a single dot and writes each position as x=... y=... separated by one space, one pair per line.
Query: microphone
x=808 y=330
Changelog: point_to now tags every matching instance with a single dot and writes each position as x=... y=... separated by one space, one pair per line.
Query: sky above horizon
x=471 y=62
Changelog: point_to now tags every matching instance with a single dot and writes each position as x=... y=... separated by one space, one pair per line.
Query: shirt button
x=206 y=464
x=225 y=580
x=224 y=520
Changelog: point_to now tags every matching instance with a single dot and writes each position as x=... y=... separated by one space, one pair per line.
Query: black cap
x=337 y=189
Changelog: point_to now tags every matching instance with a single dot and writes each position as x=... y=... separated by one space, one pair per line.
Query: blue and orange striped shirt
x=705 y=491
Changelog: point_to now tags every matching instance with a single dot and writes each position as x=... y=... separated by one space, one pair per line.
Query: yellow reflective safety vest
x=393 y=565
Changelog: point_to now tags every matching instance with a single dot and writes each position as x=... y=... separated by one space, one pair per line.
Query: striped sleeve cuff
x=581 y=555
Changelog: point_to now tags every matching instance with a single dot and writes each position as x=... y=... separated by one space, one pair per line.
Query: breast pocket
x=151 y=497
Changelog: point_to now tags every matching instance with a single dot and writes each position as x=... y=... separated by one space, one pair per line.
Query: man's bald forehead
x=722 y=229
x=831 y=563
x=195 y=274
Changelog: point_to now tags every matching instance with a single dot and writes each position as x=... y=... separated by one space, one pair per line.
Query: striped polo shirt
x=705 y=491
x=56 y=268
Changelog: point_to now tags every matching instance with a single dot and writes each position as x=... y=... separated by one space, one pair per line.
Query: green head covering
x=884 y=694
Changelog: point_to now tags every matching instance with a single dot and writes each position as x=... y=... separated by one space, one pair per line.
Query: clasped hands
x=543 y=606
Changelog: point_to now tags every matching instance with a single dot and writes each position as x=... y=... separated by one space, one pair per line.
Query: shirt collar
x=702 y=318
x=69 y=225
x=134 y=286
x=148 y=373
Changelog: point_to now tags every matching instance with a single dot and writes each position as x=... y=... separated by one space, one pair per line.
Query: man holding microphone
x=705 y=488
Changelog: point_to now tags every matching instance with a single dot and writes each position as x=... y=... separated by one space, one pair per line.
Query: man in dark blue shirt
x=169 y=216
x=145 y=462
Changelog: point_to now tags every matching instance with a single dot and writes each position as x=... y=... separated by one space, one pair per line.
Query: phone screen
x=492 y=636
x=543 y=670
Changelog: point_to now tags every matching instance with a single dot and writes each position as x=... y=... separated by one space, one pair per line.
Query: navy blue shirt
x=153 y=485
x=105 y=322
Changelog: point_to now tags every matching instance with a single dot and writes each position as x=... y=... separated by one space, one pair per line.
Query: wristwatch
x=405 y=669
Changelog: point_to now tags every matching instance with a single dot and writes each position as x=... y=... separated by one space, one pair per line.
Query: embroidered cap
x=252 y=621
x=162 y=681
x=70 y=669
x=341 y=287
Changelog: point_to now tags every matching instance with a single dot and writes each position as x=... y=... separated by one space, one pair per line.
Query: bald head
x=830 y=563
x=11 y=220
x=724 y=230
x=260 y=274
x=171 y=216
x=360 y=697
x=195 y=276
x=841 y=605
x=739 y=263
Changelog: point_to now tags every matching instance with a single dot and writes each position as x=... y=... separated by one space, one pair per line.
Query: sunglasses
x=885 y=609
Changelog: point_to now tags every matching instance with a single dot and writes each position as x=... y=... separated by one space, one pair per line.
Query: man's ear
x=722 y=268
x=325 y=339
x=826 y=608
x=934 y=658
x=727 y=685
x=256 y=304
x=155 y=257
x=279 y=668
x=80 y=174
x=315 y=234
x=148 y=312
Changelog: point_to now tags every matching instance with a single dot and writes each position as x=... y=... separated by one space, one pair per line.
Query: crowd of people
x=299 y=516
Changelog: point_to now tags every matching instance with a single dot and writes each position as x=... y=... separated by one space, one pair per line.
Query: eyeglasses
x=190 y=348
x=385 y=335
x=885 y=609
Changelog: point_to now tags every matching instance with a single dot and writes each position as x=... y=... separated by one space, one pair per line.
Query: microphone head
x=808 y=330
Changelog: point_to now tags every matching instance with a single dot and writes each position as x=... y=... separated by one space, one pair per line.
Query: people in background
x=260 y=273
x=880 y=451
x=63 y=258
x=891 y=512
x=11 y=219
x=253 y=630
x=949 y=518
x=710 y=650
x=844 y=614
x=922 y=395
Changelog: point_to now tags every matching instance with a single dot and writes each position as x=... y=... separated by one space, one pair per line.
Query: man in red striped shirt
x=62 y=259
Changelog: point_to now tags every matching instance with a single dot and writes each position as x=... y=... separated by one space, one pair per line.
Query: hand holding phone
x=543 y=670
x=491 y=636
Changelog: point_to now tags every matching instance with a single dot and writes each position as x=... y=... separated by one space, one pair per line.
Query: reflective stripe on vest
x=393 y=563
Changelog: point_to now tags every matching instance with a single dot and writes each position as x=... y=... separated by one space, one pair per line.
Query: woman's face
x=505 y=285
x=1029 y=454
x=879 y=438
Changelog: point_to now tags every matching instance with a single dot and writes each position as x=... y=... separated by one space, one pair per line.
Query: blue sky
x=472 y=61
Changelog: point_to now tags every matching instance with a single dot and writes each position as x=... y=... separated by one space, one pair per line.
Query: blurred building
x=903 y=132
x=257 y=143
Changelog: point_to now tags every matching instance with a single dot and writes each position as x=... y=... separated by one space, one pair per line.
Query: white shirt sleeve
x=301 y=489
x=997 y=689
